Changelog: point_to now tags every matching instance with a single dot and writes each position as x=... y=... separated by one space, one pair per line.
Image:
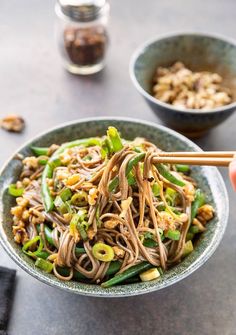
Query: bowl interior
x=198 y=52
x=208 y=179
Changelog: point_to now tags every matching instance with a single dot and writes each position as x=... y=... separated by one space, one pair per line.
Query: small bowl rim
x=141 y=50
x=116 y=291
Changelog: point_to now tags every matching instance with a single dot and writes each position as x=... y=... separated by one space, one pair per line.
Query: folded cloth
x=7 y=281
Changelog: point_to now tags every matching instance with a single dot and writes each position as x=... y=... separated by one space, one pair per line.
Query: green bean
x=114 y=267
x=38 y=151
x=134 y=161
x=48 y=170
x=129 y=273
x=198 y=202
x=168 y=175
x=114 y=138
x=182 y=168
x=44 y=265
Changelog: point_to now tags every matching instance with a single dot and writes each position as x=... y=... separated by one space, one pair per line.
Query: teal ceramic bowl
x=209 y=179
x=199 y=52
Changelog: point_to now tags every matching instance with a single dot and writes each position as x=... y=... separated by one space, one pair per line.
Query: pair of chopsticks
x=211 y=158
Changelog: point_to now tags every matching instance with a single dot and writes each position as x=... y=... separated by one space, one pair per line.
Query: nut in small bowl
x=188 y=79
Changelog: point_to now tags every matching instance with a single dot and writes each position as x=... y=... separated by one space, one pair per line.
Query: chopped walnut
x=205 y=213
x=111 y=224
x=92 y=197
x=91 y=233
x=189 y=191
x=13 y=123
x=31 y=162
x=120 y=253
x=184 y=88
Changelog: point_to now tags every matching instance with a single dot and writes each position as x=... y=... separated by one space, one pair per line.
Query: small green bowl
x=199 y=52
x=208 y=178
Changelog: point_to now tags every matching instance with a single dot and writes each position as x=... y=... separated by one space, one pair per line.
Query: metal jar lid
x=83 y=10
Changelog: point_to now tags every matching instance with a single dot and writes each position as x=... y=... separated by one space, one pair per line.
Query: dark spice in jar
x=85 y=46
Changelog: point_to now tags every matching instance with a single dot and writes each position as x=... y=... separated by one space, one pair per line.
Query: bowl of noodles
x=87 y=207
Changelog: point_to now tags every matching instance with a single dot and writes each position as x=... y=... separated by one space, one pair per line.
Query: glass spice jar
x=82 y=34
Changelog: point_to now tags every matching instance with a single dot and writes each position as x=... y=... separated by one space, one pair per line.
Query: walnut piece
x=13 y=123
x=184 y=88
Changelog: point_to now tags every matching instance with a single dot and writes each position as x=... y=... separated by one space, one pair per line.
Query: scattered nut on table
x=181 y=87
x=13 y=123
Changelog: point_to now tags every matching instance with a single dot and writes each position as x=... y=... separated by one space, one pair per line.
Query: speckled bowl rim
x=122 y=290
x=142 y=49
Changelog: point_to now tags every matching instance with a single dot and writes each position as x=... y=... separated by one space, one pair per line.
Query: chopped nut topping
x=13 y=123
x=184 y=88
x=120 y=253
x=205 y=213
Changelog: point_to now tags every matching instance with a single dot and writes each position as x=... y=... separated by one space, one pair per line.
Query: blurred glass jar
x=81 y=33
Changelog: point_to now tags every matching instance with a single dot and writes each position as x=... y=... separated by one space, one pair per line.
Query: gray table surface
x=34 y=84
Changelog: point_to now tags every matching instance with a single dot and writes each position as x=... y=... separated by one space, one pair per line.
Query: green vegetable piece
x=114 y=267
x=30 y=243
x=156 y=189
x=162 y=169
x=189 y=236
x=65 y=194
x=198 y=202
x=62 y=207
x=42 y=254
x=14 y=191
x=39 y=151
x=173 y=234
x=114 y=137
x=82 y=227
x=129 y=273
x=182 y=168
x=44 y=265
x=103 y=252
x=80 y=199
x=150 y=243
x=194 y=229
x=42 y=161
x=188 y=248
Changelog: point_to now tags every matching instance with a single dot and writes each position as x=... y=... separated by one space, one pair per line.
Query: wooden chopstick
x=210 y=161
x=220 y=154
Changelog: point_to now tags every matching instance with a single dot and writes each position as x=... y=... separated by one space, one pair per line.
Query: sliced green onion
x=44 y=265
x=98 y=221
x=80 y=199
x=65 y=194
x=30 y=243
x=173 y=234
x=62 y=207
x=156 y=189
x=182 y=168
x=82 y=227
x=14 y=191
x=168 y=175
x=188 y=248
x=103 y=252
